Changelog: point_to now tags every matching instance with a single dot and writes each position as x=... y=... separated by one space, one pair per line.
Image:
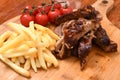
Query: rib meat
x=78 y=31
x=84 y=47
x=88 y=12
x=72 y=31
x=102 y=40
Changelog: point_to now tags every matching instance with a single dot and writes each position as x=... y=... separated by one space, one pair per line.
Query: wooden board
x=100 y=65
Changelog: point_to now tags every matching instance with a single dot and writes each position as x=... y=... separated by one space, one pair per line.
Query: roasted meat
x=88 y=12
x=102 y=40
x=72 y=31
x=78 y=31
x=84 y=47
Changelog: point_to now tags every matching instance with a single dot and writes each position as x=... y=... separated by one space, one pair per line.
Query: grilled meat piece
x=61 y=50
x=87 y=12
x=112 y=47
x=84 y=47
x=78 y=31
x=72 y=31
x=75 y=29
x=102 y=40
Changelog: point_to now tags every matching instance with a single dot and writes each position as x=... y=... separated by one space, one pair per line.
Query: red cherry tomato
x=35 y=11
x=66 y=10
x=29 y=7
x=26 y=18
x=57 y=5
x=41 y=19
x=39 y=8
x=46 y=9
x=53 y=14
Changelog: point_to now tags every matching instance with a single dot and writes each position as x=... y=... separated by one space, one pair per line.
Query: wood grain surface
x=100 y=65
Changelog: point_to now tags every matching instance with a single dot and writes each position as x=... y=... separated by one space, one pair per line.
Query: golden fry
x=29 y=43
x=4 y=37
x=37 y=63
x=22 y=47
x=31 y=26
x=27 y=64
x=12 y=44
x=17 y=62
x=52 y=58
x=28 y=32
x=15 y=27
x=29 y=52
x=33 y=64
x=41 y=59
x=15 y=67
x=11 y=37
x=49 y=64
x=21 y=59
x=28 y=46
x=47 y=30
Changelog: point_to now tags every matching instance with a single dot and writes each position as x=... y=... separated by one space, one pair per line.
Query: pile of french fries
x=23 y=48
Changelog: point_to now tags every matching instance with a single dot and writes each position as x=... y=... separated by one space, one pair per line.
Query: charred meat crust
x=102 y=40
x=88 y=12
x=84 y=47
x=78 y=31
x=73 y=31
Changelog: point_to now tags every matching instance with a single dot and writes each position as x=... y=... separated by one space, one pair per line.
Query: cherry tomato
x=46 y=8
x=35 y=11
x=41 y=19
x=39 y=8
x=53 y=14
x=66 y=10
x=57 y=5
x=26 y=18
x=29 y=7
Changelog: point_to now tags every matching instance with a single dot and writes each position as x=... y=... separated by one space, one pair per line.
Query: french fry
x=29 y=52
x=27 y=64
x=31 y=26
x=37 y=63
x=15 y=67
x=47 y=30
x=12 y=44
x=21 y=59
x=12 y=36
x=33 y=64
x=28 y=32
x=4 y=36
x=17 y=62
x=49 y=64
x=9 y=51
x=40 y=27
x=28 y=46
x=52 y=34
x=50 y=60
x=41 y=59
x=51 y=57
x=52 y=45
x=15 y=27
x=29 y=43
x=22 y=47
x=48 y=38
x=45 y=41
